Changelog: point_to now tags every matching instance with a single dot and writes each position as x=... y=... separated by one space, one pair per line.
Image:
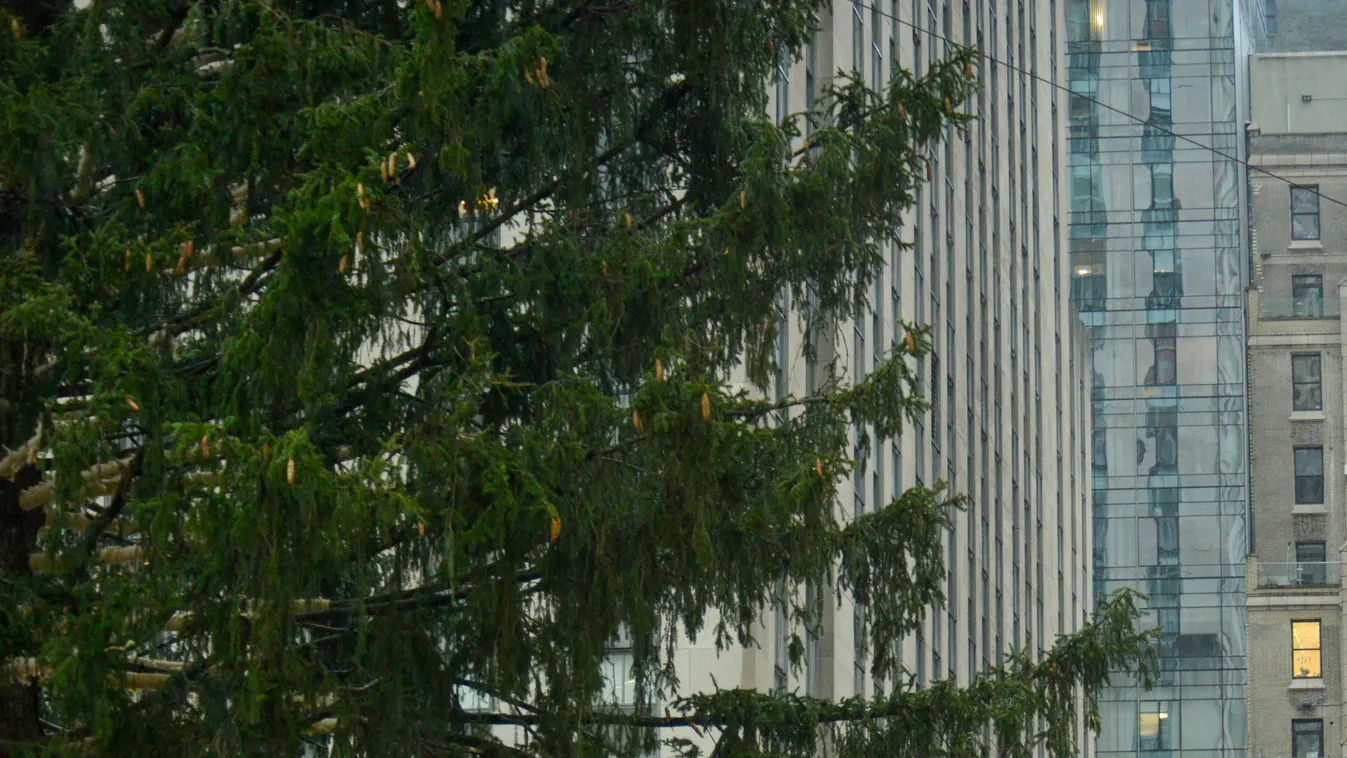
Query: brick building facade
x=1298 y=236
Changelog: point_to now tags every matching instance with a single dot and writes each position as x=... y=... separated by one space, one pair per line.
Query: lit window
x=1305 y=663
x=1153 y=726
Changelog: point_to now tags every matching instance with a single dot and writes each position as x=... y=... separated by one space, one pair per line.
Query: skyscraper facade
x=1298 y=177
x=1006 y=381
x=1159 y=265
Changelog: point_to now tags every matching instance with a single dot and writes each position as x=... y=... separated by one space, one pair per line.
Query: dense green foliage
x=408 y=334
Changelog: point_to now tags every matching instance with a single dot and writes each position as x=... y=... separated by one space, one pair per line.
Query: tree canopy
x=359 y=360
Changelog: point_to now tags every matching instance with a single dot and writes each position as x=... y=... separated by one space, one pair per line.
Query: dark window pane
x=1309 y=464
x=1307 y=738
x=1313 y=552
x=1305 y=368
x=1311 y=566
x=1306 y=386
x=1307 y=295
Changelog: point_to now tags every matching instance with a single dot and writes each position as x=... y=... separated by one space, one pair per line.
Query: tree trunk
x=18 y=538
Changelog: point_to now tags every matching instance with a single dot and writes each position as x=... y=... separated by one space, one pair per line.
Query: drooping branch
x=21 y=456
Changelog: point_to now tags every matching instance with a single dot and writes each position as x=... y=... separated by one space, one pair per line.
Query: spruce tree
x=361 y=362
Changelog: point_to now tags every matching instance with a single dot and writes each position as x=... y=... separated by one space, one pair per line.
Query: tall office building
x=988 y=271
x=1006 y=381
x=1158 y=256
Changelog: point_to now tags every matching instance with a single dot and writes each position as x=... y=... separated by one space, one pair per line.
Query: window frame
x=1311 y=193
x=1295 y=466
x=1318 y=383
x=1152 y=723
x=1318 y=650
x=1317 y=572
x=1301 y=286
x=1319 y=723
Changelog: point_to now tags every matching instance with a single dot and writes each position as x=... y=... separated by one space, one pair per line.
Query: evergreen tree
x=359 y=361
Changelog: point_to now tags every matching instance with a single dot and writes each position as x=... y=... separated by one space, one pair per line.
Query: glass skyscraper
x=1158 y=257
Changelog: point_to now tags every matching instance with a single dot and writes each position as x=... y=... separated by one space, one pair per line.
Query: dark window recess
x=1163 y=339
x=1306 y=383
x=1309 y=467
x=1305 y=212
x=1311 y=563
x=1198 y=646
x=1307 y=295
x=1157 y=19
x=1307 y=738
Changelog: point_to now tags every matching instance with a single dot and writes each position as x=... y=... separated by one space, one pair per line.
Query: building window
x=1089 y=285
x=1309 y=462
x=1162 y=186
x=1307 y=738
x=1153 y=725
x=858 y=40
x=1311 y=563
x=1305 y=212
x=1306 y=383
x=1307 y=295
x=1164 y=338
x=1157 y=19
x=1305 y=650
x=618 y=673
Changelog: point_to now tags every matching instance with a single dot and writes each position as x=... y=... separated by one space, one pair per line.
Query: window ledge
x=1309 y=509
x=1307 y=684
x=1307 y=416
x=1305 y=246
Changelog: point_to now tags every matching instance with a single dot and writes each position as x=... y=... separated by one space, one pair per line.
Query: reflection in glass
x=1087 y=199
x=1307 y=738
x=1306 y=383
x=1311 y=564
x=1165 y=369
x=1165 y=281
x=1162 y=186
x=1153 y=726
x=1307 y=295
x=1163 y=427
x=1157 y=19
x=1305 y=212
x=1089 y=287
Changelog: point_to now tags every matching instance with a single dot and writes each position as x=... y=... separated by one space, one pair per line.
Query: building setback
x=1298 y=135
x=1158 y=256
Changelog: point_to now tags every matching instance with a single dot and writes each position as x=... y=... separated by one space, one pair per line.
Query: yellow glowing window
x=1305 y=650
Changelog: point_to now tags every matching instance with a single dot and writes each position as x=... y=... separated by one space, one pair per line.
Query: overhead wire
x=993 y=59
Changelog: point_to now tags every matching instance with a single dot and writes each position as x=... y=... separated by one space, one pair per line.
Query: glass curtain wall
x=1158 y=274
